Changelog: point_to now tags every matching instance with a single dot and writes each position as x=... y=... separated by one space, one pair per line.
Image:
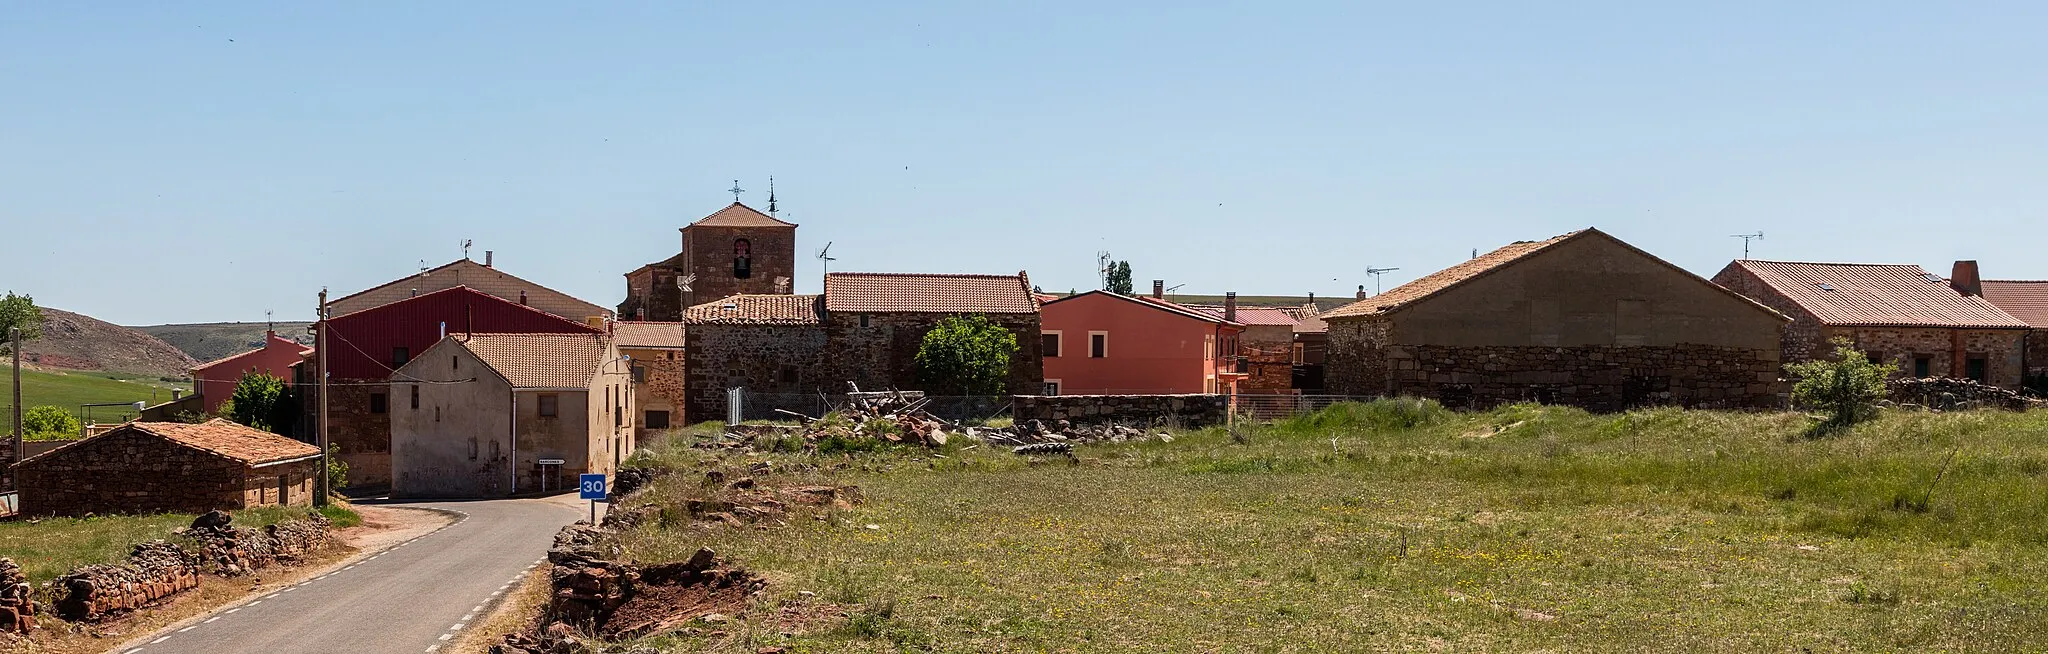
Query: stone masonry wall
x=755 y=357
x=155 y=570
x=127 y=472
x=883 y=354
x=1353 y=362
x=364 y=438
x=1802 y=339
x=2037 y=360
x=1181 y=410
x=1597 y=378
x=662 y=384
x=1269 y=357
x=1900 y=346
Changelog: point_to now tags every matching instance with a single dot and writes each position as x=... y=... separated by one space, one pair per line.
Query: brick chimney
x=1230 y=306
x=522 y=298
x=1159 y=289
x=487 y=258
x=1964 y=279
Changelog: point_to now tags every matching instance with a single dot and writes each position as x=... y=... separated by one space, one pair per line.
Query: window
x=1052 y=387
x=656 y=420
x=378 y=403
x=548 y=404
x=1049 y=342
x=399 y=356
x=472 y=448
x=639 y=374
x=863 y=320
x=454 y=363
x=1977 y=367
x=415 y=397
x=1875 y=356
x=1923 y=365
x=437 y=414
x=742 y=259
x=1098 y=345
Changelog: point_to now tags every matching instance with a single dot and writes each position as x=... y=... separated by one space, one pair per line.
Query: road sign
x=590 y=486
x=552 y=462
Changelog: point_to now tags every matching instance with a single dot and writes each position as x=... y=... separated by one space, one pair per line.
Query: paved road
x=413 y=597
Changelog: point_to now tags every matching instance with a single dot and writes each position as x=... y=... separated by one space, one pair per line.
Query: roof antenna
x=735 y=191
x=1376 y=274
x=267 y=320
x=465 y=249
x=825 y=257
x=771 y=194
x=1746 y=238
x=1475 y=253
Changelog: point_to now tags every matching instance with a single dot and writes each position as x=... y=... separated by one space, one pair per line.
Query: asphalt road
x=413 y=597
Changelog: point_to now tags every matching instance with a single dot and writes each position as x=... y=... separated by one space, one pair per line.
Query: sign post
x=590 y=486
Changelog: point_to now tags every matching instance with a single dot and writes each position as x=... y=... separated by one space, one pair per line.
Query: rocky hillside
x=75 y=342
x=214 y=340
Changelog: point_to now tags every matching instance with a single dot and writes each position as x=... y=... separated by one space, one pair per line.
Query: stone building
x=1921 y=323
x=492 y=415
x=657 y=354
x=156 y=467
x=2027 y=301
x=735 y=251
x=1582 y=319
x=865 y=329
x=480 y=277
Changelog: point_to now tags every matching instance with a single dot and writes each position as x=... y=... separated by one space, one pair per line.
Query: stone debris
x=155 y=570
x=614 y=600
x=1035 y=432
x=629 y=480
x=1954 y=394
x=17 y=600
x=230 y=551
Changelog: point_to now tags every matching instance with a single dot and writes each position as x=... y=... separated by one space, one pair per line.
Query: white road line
x=159 y=640
x=188 y=628
x=478 y=608
x=496 y=593
x=287 y=590
x=270 y=596
x=132 y=651
x=234 y=609
x=430 y=650
x=210 y=620
x=458 y=627
x=256 y=602
x=447 y=636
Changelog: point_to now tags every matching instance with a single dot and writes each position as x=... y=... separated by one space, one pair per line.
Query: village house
x=157 y=467
x=215 y=380
x=866 y=329
x=367 y=345
x=734 y=251
x=1582 y=319
x=656 y=349
x=2026 y=300
x=1899 y=314
x=493 y=415
x=1103 y=343
x=480 y=277
x=1311 y=348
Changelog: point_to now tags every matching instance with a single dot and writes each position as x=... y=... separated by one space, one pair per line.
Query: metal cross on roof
x=735 y=190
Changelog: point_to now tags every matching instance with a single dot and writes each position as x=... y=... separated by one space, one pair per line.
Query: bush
x=337 y=469
x=1847 y=387
x=48 y=423
x=966 y=355
x=261 y=400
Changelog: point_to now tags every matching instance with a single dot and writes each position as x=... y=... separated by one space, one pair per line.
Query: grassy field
x=50 y=547
x=1402 y=527
x=70 y=389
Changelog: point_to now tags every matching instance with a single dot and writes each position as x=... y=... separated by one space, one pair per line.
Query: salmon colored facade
x=215 y=380
x=1101 y=343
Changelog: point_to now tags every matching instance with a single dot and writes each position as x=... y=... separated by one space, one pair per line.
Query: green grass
x=50 y=547
x=1402 y=527
x=67 y=390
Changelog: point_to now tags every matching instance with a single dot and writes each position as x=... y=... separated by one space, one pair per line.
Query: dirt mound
x=217 y=340
x=75 y=342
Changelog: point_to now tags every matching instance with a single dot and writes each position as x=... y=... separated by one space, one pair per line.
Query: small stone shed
x=154 y=467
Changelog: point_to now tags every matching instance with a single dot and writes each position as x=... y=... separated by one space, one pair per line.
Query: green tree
x=261 y=400
x=19 y=311
x=966 y=355
x=1120 y=278
x=1846 y=386
x=45 y=423
x=337 y=469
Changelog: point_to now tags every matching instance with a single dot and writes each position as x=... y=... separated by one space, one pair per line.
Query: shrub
x=337 y=469
x=966 y=355
x=1847 y=387
x=261 y=400
x=48 y=423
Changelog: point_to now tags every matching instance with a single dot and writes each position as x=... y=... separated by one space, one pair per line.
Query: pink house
x=215 y=380
x=1102 y=343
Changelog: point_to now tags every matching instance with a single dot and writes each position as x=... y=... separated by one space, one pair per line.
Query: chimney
x=1361 y=291
x=177 y=394
x=522 y=294
x=487 y=258
x=1965 y=280
x=1159 y=289
x=1230 y=306
x=444 y=329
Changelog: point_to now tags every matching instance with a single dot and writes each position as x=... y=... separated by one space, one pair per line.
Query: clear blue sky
x=179 y=162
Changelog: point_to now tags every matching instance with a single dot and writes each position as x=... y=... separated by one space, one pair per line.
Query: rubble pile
x=898 y=417
x=1032 y=432
x=230 y=551
x=628 y=480
x=614 y=600
x=17 y=599
x=1953 y=394
x=155 y=570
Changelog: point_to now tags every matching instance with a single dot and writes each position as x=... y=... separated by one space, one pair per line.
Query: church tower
x=736 y=250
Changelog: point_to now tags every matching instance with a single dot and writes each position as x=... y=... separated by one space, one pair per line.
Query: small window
x=639 y=374
x=437 y=414
x=1098 y=345
x=1050 y=342
x=863 y=320
x=548 y=405
x=656 y=420
x=472 y=448
x=415 y=397
x=399 y=356
x=1052 y=387
x=379 y=403
x=1923 y=365
x=454 y=363
x=788 y=374
x=1875 y=356
x=742 y=259
x=1978 y=368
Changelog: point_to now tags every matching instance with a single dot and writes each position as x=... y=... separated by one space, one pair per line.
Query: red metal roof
x=2026 y=300
x=1877 y=295
x=360 y=344
x=928 y=293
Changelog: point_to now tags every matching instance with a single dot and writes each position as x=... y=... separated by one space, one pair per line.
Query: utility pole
x=320 y=348
x=14 y=334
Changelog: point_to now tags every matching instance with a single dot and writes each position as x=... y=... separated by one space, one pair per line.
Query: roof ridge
x=920 y=274
x=1833 y=263
x=460 y=287
x=457 y=262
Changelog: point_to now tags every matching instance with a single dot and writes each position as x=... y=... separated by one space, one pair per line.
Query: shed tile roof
x=739 y=215
x=928 y=293
x=755 y=310
x=648 y=335
x=2025 y=300
x=1438 y=281
x=250 y=446
x=540 y=360
x=1260 y=316
x=1877 y=295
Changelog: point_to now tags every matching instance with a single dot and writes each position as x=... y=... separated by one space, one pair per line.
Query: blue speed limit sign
x=590 y=486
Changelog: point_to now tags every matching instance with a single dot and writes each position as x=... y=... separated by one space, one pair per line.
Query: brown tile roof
x=739 y=215
x=474 y=275
x=1262 y=316
x=648 y=335
x=755 y=310
x=250 y=446
x=928 y=293
x=1877 y=295
x=539 y=360
x=2025 y=300
x=1438 y=281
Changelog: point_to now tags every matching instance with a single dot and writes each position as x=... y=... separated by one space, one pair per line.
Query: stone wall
x=1353 y=362
x=1180 y=410
x=709 y=255
x=1269 y=357
x=231 y=551
x=661 y=386
x=155 y=570
x=363 y=438
x=1900 y=346
x=883 y=354
x=1597 y=378
x=2037 y=361
x=129 y=472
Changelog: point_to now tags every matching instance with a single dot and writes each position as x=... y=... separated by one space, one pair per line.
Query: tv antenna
x=268 y=320
x=1746 y=238
x=683 y=282
x=781 y=285
x=1376 y=274
x=825 y=257
x=465 y=249
x=1103 y=265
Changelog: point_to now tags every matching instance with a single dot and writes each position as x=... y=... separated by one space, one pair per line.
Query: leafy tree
x=1120 y=278
x=966 y=355
x=261 y=400
x=19 y=311
x=337 y=469
x=1846 y=386
x=45 y=423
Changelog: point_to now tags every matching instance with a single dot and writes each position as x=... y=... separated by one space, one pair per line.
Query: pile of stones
x=155 y=570
x=17 y=600
x=231 y=551
x=1954 y=394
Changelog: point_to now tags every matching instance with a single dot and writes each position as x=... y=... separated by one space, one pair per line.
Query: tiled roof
x=1877 y=295
x=250 y=446
x=1311 y=323
x=739 y=215
x=1261 y=316
x=476 y=276
x=540 y=360
x=648 y=335
x=2025 y=300
x=928 y=293
x=1443 y=279
x=755 y=310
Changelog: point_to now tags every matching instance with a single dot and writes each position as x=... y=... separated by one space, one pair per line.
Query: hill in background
x=72 y=341
x=215 y=340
